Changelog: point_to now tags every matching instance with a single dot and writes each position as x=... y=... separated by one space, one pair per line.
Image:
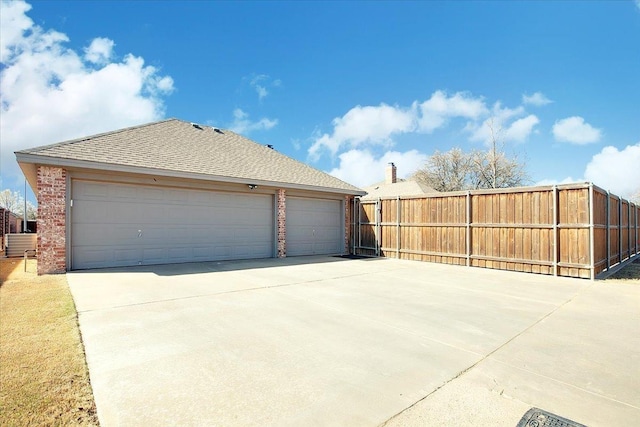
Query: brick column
x=52 y=190
x=282 y=224
x=348 y=207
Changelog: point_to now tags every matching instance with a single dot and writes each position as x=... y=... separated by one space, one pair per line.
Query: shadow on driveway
x=232 y=265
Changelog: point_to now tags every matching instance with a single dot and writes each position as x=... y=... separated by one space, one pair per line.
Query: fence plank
x=576 y=230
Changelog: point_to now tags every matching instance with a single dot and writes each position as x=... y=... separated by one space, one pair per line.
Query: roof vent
x=217 y=130
x=269 y=146
x=197 y=126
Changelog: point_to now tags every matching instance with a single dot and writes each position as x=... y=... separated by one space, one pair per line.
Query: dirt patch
x=43 y=372
x=13 y=269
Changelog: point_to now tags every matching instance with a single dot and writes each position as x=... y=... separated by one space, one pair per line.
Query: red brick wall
x=282 y=223
x=348 y=208
x=52 y=188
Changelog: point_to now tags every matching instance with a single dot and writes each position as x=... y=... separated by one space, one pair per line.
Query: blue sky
x=345 y=87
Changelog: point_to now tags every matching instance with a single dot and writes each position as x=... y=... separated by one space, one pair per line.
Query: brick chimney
x=390 y=174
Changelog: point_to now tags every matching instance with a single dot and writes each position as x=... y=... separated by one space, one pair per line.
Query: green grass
x=630 y=273
x=43 y=373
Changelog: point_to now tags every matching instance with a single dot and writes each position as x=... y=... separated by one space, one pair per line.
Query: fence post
x=398 y=210
x=359 y=225
x=636 y=230
x=468 y=239
x=592 y=237
x=608 y=231
x=629 y=227
x=353 y=227
x=378 y=228
x=555 y=230
x=620 y=230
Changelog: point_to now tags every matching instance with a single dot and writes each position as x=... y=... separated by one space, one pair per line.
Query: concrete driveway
x=326 y=341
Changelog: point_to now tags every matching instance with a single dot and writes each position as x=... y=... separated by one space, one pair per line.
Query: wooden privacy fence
x=576 y=230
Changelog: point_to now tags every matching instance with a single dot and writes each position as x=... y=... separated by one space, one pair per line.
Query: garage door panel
x=325 y=247
x=155 y=235
x=180 y=253
x=175 y=233
x=93 y=256
x=202 y=252
x=151 y=194
x=314 y=226
x=302 y=248
x=177 y=197
x=176 y=225
x=123 y=234
x=155 y=255
x=124 y=192
x=157 y=214
x=94 y=190
x=92 y=209
x=174 y=215
x=125 y=256
x=222 y=252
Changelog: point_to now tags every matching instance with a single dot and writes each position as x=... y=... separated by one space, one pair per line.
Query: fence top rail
x=599 y=189
x=489 y=191
x=605 y=193
x=480 y=192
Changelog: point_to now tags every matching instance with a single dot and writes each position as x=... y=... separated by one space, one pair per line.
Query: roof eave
x=30 y=172
x=29 y=161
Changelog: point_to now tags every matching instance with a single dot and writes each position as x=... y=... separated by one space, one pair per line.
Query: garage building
x=174 y=191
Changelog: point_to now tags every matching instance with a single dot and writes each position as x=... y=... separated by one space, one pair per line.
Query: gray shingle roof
x=178 y=146
x=400 y=188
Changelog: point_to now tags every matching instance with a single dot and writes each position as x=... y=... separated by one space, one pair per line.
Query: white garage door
x=314 y=226
x=122 y=225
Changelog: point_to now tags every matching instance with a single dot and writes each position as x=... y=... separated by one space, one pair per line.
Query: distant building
x=394 y=187
x=9 y=222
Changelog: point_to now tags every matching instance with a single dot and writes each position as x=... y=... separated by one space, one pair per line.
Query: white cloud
x=376 y=125
x=260 y=83
x=50 y=93
x=437 y=109
x=99 y=51
x=373 y=125
x=242 y=125
x=14 y=22
x=616 y=170
x=520 y=129
x=362 y=168
x=538 y=99
x=575 y=130
x=567 y=180
x=637 y=4
x=502 y=126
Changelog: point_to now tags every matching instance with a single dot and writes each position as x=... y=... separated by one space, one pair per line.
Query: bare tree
x=448 y=171
x=9 y=200
x=493 y=158
x=456 y=170
x=493 y=169
x=14 y=202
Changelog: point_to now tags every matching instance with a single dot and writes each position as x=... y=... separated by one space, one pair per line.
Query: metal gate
x=367 y=218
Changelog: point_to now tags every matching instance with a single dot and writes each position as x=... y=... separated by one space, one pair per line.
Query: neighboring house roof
x=181 y=149
x=399 y=188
